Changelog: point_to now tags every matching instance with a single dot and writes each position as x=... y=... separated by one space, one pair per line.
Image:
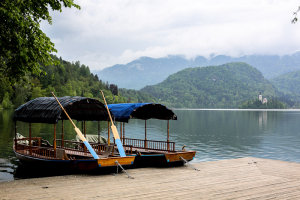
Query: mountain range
x=149 y=71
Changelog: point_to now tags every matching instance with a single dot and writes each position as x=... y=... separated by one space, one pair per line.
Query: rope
x=188 y=164
x=119 y=165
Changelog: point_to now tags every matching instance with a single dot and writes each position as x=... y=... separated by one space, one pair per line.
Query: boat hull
x=77 y=165
x=166 y=159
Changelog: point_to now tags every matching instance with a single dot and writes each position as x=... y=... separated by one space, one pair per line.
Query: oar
x=115 y=131
x=80 y=135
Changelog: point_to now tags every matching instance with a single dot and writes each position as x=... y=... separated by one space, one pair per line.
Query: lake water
x=214 y=134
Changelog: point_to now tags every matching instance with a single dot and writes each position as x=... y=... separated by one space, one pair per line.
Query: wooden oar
x=115 y=131
x=80 y=135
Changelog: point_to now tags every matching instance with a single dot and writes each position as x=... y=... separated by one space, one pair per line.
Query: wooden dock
x=244 y=178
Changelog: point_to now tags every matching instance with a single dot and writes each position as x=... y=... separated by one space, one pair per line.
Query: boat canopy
x=124 y=111
x=47 y=110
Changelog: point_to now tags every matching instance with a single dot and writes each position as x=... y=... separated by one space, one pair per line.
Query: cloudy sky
x=108 y=32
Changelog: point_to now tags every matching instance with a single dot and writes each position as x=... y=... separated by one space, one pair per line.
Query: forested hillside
x=289 y=85
x=224 y=86
x=64 y=79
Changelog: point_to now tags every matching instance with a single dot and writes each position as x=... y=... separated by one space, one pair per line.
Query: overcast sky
x=108 y=32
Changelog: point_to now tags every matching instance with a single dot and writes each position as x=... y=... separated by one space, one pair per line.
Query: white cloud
x=107 y=32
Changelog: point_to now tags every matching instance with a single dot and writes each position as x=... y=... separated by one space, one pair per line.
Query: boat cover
x=47 y=110
x=124 y=111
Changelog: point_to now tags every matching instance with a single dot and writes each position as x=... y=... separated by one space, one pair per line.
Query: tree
x=23 y=45
x=295 y=17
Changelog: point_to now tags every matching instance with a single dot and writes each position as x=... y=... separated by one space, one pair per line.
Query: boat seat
x=61 y=154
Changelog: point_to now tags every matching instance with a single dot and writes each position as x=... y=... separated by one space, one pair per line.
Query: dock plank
x=243 y=178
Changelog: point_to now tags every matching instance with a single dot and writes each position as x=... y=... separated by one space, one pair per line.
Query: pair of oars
x=83 y=139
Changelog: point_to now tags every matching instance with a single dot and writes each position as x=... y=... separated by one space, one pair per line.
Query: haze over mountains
x=149 y=71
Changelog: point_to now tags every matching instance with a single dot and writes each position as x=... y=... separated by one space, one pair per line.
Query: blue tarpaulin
x=124 y=111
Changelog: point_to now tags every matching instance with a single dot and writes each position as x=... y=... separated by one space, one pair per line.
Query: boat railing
x=35 y=149
x=41 y=148
x=150 y=144
x=99 y=148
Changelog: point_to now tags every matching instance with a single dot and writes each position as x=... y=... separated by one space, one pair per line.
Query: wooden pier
x=244 y=178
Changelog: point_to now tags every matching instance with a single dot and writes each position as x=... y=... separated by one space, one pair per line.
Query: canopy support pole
x=16 y=146
x=84 y=133
x=124 y=133
x=168 y=136
x=62 y=133
x=82 y=129
x=30 y=145
x=108 y=133
x=54 y=141
x=145 y=145
x=98 y=132
x=121 y=131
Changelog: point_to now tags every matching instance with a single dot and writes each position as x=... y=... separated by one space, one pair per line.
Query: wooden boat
x=150 y=152
x=65 y=154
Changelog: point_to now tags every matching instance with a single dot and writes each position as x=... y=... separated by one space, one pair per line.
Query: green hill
x=224 y=86
x=289 y=85
x=64 y=79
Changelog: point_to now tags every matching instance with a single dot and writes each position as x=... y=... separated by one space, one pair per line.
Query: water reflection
x=263 y=119
x=214 y=134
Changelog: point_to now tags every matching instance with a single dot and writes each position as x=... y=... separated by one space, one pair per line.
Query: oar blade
x=118 y=141
x=86 y=143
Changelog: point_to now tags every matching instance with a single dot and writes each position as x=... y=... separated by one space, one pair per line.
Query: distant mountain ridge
x=149 y=71
x=223 y=86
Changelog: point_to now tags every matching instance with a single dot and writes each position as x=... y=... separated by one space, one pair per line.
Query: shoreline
x=238 y=109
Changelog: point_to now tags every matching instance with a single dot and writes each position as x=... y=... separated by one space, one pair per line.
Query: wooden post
x=62 y=133
x=30 y=145
x=121 y=131
x=168 y=136
x=82 y=129
x=16 y=144
x=54 y=141
x=108 y=133
x=145 y=144
x=84 y=133
x=98 y=132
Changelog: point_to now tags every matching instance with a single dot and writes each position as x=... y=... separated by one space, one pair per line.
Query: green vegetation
x=256 y=104
x=224 y=86
x=64 y=79
x=136 y=96
x=23 y=45
x=288 y=85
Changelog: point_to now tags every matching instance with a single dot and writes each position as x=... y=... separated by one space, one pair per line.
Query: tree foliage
x=136 y=96
x=256 y=104
x=288 y=86
x=64 y=79
x=23 y=45
x=224 y=86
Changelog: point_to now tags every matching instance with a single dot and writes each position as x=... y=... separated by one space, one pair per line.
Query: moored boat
x=150 y=152
x=61 y=153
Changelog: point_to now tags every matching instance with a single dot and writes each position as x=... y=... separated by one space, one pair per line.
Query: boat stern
x=180 y=156
x=112 y=161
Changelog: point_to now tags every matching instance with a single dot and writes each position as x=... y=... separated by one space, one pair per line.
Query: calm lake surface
x=214 y=134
